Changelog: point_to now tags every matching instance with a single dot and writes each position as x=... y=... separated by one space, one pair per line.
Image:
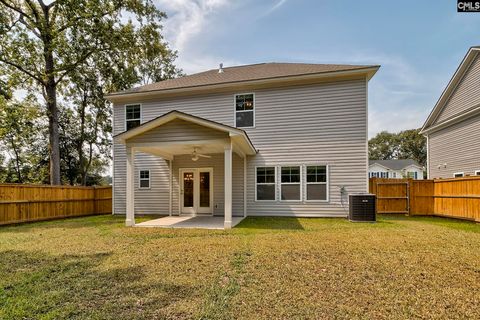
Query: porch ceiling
x=168 y=150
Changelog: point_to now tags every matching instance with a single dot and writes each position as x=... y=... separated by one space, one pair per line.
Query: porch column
x=130 y=218
x=244 y=186
x=228 y=186
x=170 y=187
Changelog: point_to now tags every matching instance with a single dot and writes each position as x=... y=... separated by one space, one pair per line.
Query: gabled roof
x=172 y=115
x=395 y=164
x=447 y=92
x=248 y=73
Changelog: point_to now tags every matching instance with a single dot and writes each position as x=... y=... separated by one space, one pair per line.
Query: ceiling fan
x=195 y=155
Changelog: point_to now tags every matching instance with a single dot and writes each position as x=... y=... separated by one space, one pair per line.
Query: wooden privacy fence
x=24 y=203
x=455 y=198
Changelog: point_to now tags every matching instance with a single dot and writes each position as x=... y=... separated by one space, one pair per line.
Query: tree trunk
x=81 y=160
x=17 y=162
x=51 y=95
x=54 y=147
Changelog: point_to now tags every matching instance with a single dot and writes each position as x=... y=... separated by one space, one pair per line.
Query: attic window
x=245 y=110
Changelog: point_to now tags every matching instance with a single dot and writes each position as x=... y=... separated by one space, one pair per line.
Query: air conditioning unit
x=362 y=208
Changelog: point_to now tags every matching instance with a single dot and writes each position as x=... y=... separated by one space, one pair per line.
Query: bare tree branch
x=18 y=10
x=71 y=67
x=22 y=69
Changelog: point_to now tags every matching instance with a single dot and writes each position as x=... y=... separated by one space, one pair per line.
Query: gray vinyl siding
x=458 y=146
x=312 y=124
x=466 y=95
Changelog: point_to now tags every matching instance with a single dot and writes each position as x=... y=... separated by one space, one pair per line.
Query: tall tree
x=412 y=145
x=407 y=144
x=44 y=44
x=21 y=140
x=383 y=146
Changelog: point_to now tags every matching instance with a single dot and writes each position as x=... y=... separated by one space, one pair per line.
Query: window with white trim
x=133 y=115
x=244 y=110
x=290 y=183
x=144 y=179
x=384 y=175
x=477 y=172
x=458 y=174
x=265 y=179
x=317 y=183
x=412 y=174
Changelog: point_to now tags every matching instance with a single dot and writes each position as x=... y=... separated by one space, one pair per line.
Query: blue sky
x=419 y=44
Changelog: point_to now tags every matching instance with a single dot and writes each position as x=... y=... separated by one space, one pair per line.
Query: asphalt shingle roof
x=245 y=73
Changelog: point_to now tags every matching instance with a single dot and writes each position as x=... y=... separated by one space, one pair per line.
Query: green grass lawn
x=265 y=268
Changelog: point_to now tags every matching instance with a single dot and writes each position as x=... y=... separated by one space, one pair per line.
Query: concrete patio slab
x=198 y=222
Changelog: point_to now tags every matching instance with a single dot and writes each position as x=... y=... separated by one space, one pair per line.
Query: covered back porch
x=200 y=155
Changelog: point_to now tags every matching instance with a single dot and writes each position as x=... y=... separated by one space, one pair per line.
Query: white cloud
x=188 y=21
x=275 y=7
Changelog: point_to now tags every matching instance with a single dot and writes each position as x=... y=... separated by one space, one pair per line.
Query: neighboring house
x=453 y=127
x=404 y=168
x=270 y=139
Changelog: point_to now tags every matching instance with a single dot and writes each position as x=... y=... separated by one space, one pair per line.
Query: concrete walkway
x=199 y=222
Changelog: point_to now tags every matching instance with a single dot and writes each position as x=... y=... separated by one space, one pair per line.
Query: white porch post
x=244 y=186
x=170 y=187
x=228 y=186
x=130 y=218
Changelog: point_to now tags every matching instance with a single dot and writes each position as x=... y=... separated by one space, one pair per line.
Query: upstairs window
x=290 y=183
x=132 y=116
x=265 y=183
x=458 y=174
x=245 y=110
x=317 y=183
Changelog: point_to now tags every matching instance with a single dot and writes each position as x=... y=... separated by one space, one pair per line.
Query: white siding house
x=453 y=127
x=260 y=140
x=396 y=169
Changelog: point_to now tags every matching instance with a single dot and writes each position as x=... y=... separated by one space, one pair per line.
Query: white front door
x=196 y=191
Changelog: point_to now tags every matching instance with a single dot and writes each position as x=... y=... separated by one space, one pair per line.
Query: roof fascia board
x=452 y=121
x=380 y=165
x=451 y=86
x=369 y=72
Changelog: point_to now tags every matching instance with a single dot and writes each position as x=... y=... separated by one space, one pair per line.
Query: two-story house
x=453 y=127
x=270 y=139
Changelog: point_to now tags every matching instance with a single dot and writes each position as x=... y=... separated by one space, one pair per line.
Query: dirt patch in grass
x=265 y=268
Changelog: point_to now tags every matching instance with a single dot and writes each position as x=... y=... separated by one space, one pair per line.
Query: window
x=477 y=172
x=384 y=174
x=317 y=183
x=290 y=183
x=144 y=179
x=458 y=174
x=412 y=174
x=265 y=183
x=132 y=116
x=374 y=174
x=393 y=174
x=244 y=110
